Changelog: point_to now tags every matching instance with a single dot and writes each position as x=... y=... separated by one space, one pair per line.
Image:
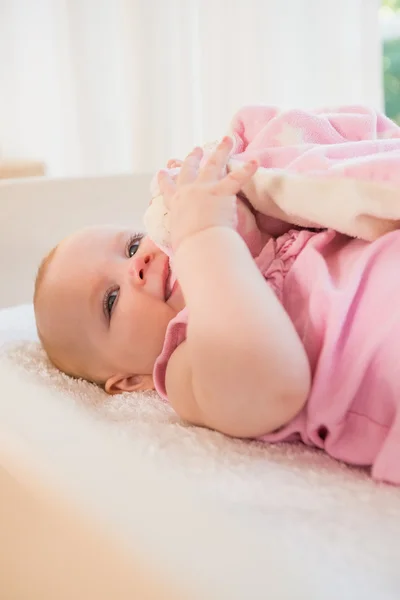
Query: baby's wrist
x=206 y=258
x=194 y=240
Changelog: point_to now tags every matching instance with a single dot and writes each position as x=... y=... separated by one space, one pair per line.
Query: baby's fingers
x=190 y=167
x=216 y=162
x=166 y=184
x=232 y=183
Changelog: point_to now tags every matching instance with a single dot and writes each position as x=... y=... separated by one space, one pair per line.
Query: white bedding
x=343 y=529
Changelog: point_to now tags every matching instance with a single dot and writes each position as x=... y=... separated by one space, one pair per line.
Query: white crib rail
x=37 y=213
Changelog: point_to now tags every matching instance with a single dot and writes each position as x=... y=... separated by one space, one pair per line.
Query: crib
x=117 y=498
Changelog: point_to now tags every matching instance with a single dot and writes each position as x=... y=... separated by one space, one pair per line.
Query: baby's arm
x=242 y=369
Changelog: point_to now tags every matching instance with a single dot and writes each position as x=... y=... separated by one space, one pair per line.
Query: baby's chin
x=176 y=300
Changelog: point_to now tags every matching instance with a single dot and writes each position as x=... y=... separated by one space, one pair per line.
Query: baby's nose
x=138 y=267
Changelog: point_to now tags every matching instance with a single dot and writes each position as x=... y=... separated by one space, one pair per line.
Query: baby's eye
x=110 y=300
x=133 y=244
x=133 y=248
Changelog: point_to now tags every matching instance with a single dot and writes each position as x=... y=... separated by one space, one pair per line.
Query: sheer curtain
x=105 y=86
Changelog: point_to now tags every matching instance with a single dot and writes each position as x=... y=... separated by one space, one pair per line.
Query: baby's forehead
x=83 y=252
x=94 y=232
x=90 y=239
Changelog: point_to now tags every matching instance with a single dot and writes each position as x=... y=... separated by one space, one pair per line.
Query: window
x=390 y=27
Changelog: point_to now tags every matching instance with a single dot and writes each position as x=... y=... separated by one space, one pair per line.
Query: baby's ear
x=129 y=383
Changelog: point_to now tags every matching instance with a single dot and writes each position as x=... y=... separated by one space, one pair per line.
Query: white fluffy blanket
x=344 y=528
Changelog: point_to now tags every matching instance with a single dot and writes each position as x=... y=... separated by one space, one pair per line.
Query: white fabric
x=342 y=529
x=99 y=87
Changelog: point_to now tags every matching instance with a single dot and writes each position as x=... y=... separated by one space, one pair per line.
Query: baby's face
x=106 y=305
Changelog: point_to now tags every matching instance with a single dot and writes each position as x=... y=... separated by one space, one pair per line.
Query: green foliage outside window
x=391 y=69
x=393 y=4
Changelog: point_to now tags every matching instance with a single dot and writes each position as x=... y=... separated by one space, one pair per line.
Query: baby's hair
x=46 y=344
x=41 y=273
x=40 y=276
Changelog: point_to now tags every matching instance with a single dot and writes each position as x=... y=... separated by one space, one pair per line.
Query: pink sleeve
x=175 y=335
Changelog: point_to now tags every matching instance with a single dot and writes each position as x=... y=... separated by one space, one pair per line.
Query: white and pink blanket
x=337 y=169
x=331 y=168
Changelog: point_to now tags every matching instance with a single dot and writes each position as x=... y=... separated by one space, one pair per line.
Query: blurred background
x=390 y=27
x=93 y=87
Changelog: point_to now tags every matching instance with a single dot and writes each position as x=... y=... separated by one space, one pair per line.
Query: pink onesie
x=343 y=296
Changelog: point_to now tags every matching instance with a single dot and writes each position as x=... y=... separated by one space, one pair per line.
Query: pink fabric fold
x=336 y=169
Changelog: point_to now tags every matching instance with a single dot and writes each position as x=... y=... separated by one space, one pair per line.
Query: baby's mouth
x=170 y=283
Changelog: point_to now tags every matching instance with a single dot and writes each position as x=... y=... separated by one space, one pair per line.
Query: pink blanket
x=337 y=169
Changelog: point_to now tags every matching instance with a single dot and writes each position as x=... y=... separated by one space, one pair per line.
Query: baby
x=275 y=342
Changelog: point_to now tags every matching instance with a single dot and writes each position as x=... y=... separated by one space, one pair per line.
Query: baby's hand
x=203 y=197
